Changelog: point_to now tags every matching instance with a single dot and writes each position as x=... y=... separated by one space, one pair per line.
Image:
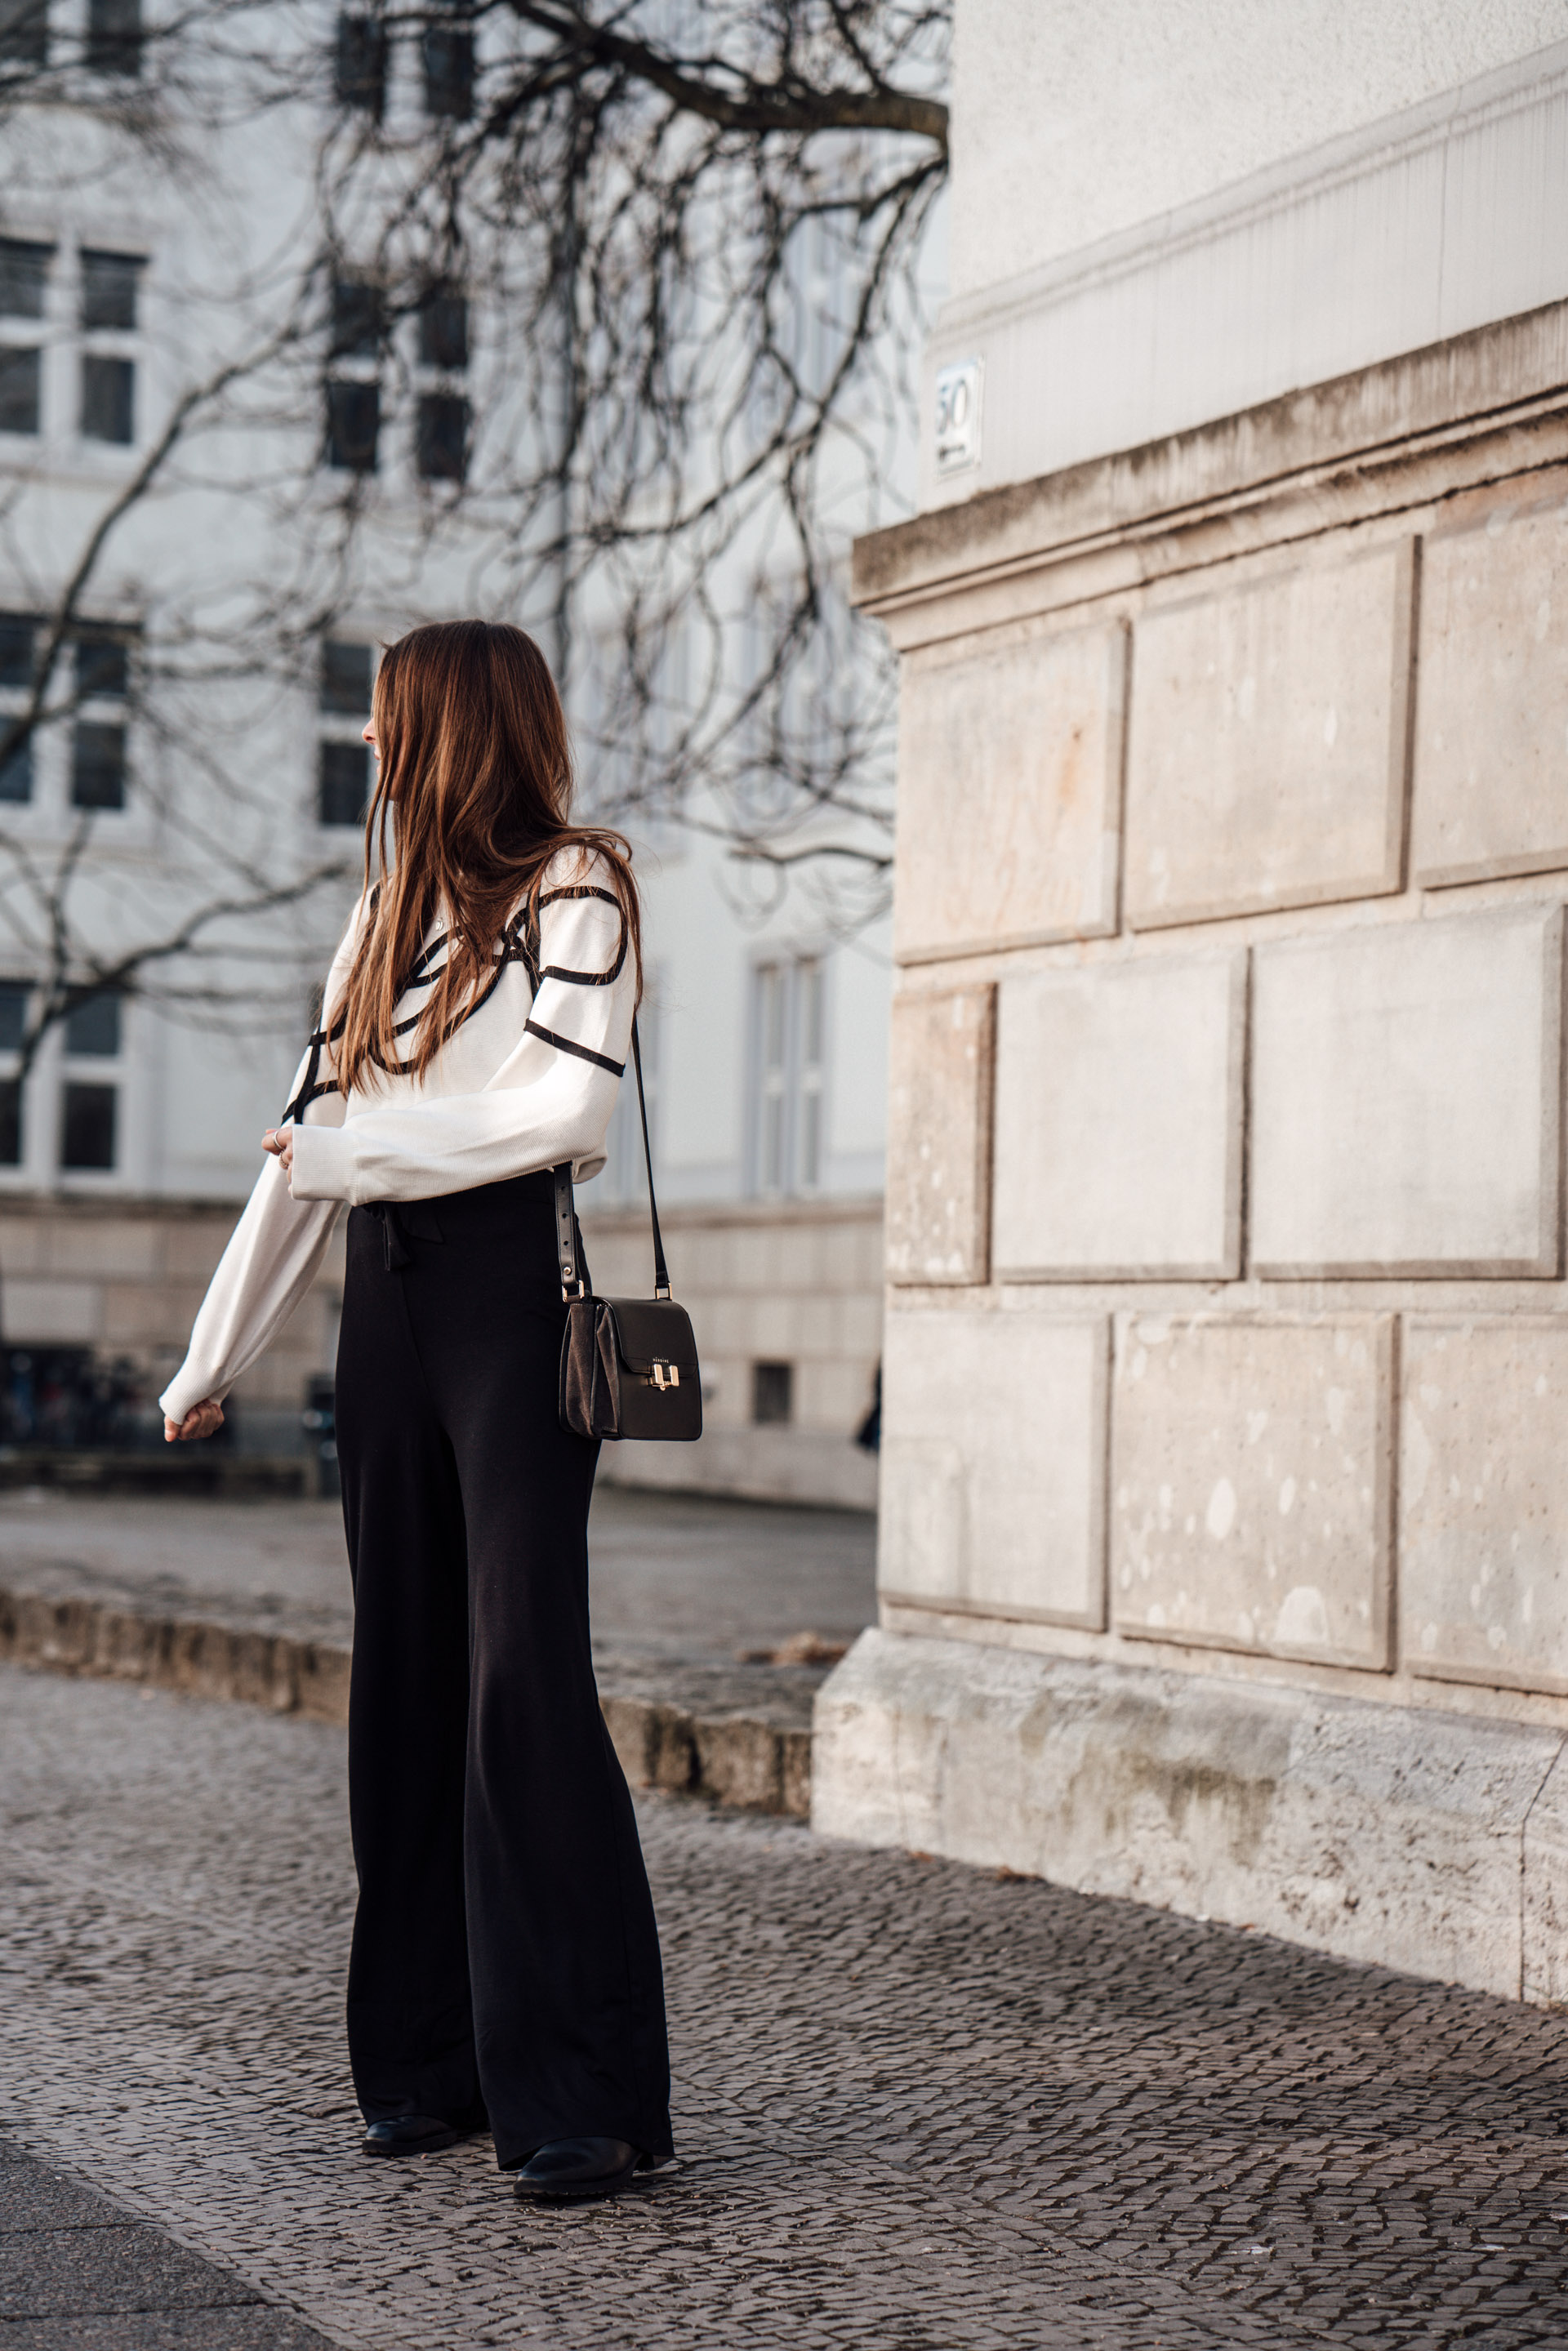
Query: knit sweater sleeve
x=550 y=1099
x=275 y=1249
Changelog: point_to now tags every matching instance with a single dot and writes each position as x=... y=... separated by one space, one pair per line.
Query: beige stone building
x=1224 y=1547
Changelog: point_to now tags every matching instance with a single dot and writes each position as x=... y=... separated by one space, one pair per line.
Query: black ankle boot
x=410 y=2135
x=575 y=2169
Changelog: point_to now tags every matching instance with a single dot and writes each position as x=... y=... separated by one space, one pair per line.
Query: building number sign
x=958 y=416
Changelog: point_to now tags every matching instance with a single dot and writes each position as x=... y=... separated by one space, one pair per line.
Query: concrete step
x=759 y=1760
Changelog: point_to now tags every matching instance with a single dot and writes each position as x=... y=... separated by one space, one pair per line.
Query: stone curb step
x=733 y=1758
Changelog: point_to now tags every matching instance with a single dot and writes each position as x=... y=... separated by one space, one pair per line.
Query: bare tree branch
x=719 y=92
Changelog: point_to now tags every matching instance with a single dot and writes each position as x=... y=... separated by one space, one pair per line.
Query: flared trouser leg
x=505 y=1946
x=411 y=2029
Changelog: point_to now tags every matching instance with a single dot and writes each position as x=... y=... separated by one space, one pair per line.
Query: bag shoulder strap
x=574 y=1282
x=661 y=1270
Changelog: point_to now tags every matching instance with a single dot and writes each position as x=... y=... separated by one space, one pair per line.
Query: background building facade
x=202 y=736
x=1224 y=1542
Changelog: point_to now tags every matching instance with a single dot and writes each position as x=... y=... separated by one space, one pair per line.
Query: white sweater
x=526 y=1080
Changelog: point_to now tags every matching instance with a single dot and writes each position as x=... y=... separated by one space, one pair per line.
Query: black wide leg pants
x=505 y=1959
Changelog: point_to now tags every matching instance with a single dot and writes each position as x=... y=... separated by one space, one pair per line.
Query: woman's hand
x=279 y=1141
x=200 y=1421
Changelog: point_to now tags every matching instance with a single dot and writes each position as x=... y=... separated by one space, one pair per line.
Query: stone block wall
x=124 y=1277
x=1227 y=1309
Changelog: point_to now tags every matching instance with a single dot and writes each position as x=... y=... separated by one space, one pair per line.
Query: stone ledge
x=1459 y=388
x=193 y=1655
x=1432 y=1843
x=732 y=1758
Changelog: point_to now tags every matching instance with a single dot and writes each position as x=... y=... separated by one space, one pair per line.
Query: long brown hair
x=476 y=775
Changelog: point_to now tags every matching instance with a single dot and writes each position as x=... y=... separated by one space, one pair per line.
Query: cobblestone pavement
x=915 y=2104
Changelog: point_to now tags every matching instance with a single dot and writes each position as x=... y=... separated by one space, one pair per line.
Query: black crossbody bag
x=628 y=1365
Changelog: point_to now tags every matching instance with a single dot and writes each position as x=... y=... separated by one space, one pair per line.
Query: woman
x=505 y=1970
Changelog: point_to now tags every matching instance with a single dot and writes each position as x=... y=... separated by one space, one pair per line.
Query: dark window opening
x=108 y=393
x=443 y=436
x=20 y=379
x=103 y=663
x=10 y=1122
x=772 y=1394
x=17 y=772
x=86 y=1127
x=14 y=994
x=97 y=766
x=446 y=52
x=108 y=283
x=114 y=36
x=444 y=328
x=92 y=1028
x=25 y=32
x=359 y=319
x=346 y=678
x=17 y=636
x=353 y=426
x=360 y=64
x=23 y=277
x=344 y=783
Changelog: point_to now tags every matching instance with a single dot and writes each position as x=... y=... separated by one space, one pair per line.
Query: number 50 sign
x=958 y=416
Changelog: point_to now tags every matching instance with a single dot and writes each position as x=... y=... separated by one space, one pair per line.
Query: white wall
x=1071 y=122
x=1398 y=232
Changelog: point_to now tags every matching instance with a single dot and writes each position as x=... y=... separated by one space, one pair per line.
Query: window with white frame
x=343 y=756
x=96 y=673
x=103 y=658
x=110 y=298
x=76 y=1090
x=441 y=414
x=789 y=1029
x=24 y=32
x=15 y=997
x=815 y=276
x=446 y=61
x=360 y=62
x=18 y=643
x=91 y=1070
x=363 y=331
x=799 y=678
x=356 y=345
x=113 y=43
x=25 y=266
